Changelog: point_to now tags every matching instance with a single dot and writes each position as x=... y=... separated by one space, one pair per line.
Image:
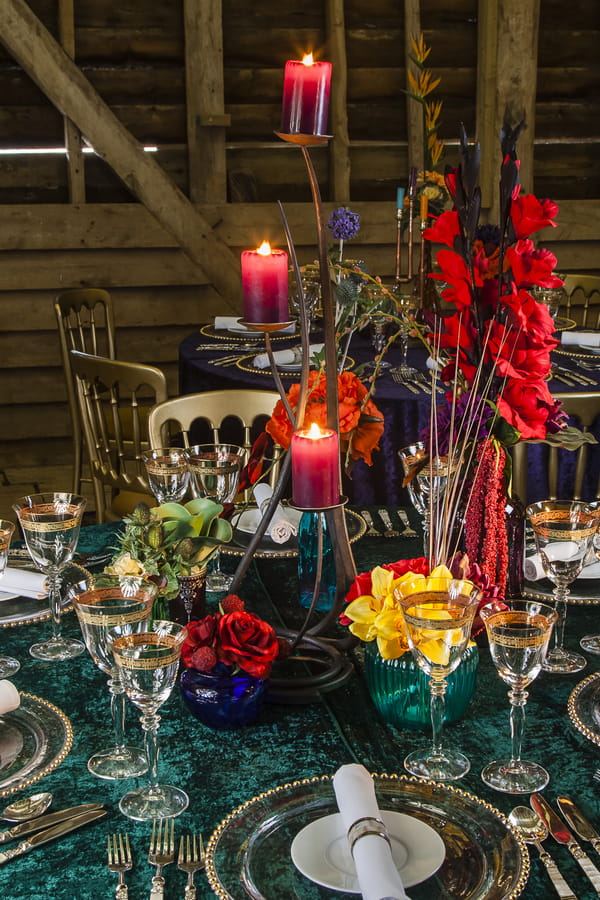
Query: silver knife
x=43 y=821
x=49 y=834
x=562 y=835
x=578 y=822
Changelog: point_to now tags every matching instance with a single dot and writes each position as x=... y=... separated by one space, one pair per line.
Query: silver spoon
x=533 y=831
x=27 y=808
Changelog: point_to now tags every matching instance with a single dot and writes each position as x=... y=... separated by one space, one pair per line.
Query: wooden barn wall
x=134 y=55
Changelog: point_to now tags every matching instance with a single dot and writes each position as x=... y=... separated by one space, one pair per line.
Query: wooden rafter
x=34 y=48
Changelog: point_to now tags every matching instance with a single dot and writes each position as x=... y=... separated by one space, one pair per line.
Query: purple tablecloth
x=405 y=415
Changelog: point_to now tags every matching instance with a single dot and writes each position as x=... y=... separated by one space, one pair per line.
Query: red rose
x=199 y=634
x=248 y=642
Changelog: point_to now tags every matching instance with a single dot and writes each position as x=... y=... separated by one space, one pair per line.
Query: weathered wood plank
x=414 y=110
x=64 y=84
x=339 y=153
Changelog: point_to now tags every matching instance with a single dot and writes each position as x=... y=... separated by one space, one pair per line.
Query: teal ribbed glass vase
x=400 y=690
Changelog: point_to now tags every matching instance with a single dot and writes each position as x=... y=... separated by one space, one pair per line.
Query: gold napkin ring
x=364 y=826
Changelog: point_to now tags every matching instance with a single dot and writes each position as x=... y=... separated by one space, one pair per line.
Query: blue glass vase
x=222 y=699
x=400 y=689
x=308 y=556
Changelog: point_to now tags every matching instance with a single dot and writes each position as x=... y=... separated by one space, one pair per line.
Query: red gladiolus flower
x=529 y=214
x=444 y=230
x=530 y=266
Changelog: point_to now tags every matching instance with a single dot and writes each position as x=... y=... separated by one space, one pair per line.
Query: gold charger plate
x=355 y=524
x=561 y=323
x=34 y=740
x=248 y=855
x=583 y=708
x=245 y=364
x=231 y=336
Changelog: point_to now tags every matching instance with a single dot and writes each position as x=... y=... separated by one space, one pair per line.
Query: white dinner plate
x=594 y=349
x=249 y=520
x=6 y=595
x=590 y=572
x=320 y=851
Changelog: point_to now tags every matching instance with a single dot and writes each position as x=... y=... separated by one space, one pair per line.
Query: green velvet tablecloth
x=220 y=770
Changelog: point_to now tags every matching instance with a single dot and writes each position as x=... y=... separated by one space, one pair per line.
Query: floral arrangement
x=170 y=540
x=232 y=639
x=493 y=340
x=373 y=613
x=361 y=423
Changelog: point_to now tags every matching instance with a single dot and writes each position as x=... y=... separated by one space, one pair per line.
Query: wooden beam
x=73 y=143
x=487 y=29
x=339 y=149
x=25 y=37
x=205 y=98
x=414 y=110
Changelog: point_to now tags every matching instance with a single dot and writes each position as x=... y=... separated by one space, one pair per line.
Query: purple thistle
x=343 y=224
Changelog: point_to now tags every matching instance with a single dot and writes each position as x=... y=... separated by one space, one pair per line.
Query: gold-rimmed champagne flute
x=147 y=663
x=563 y=532
x=8 y=664
x=427 y=484
x=438 y=616
x=50 y=523
x=518 y=639
x=215 y=472
x=108 y=607
x=168 y=473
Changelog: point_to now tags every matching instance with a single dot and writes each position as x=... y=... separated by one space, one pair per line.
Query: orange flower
x=361 y=423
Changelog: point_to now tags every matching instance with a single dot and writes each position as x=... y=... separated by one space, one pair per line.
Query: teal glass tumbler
x=400 y=689
x=308 y=559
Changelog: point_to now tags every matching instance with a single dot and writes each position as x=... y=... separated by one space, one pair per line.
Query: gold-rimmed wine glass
x=8 y=664
x=50 y=523
x=215 y=472
x=518 y=640
x=438 y=615
x=147 y=663
x=168 y=473
x=563 y=532
x=591 y=642
x=108 y=607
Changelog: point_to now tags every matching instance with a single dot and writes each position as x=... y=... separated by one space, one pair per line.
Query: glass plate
x=583 y=708
x=26 y=610
x=583 y=592
x=34 y=740
x=355 y=524
x=561 y=323
x=222 y=335
x=248 y=855
x=246 y=365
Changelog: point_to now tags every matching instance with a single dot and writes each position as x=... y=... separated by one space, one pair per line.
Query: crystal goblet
x=216 y=471
x=518 y=639
x=147 y=663
x=50 y=523
x=591 y=642
x=438 y=615
x=8 y=664
x=168 y=473
x=563 y=531
x=428 y=481
x=108 y=607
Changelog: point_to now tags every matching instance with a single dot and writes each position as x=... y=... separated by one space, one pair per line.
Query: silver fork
x=408 y=530
x=120 y=861
x=398 y=378
x=371 y=531
x=390 y=531
x=597 y=775
x=161 y=853
x=190 y=860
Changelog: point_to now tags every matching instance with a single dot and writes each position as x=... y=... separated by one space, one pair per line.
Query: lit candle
x=315 y=467
x=400 y=192
x=265 y=284
x=305 y=96
x=424 y=207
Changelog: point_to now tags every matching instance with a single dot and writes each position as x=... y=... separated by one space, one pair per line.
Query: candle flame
x=264 y=249
x=307 y=59
x=314 y=432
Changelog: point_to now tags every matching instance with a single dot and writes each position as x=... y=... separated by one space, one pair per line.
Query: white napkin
x=9 y=697
x=229 y=323
x=285 y=357
x=585 y=338
x=533 y=569
x=23 y=582
x=282 y=526
x=378 y=877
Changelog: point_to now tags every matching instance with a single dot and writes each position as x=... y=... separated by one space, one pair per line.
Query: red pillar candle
x=305 y=96
x=315 y=467
x=265 y=284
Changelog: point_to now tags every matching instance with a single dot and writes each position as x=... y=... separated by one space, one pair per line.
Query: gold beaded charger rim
x=576 y=352
x=31 y=611
x=356 y=526
x=581 y=705
x=236 y=842
x=244 y=363
x=219 y=334
x=49 y=732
